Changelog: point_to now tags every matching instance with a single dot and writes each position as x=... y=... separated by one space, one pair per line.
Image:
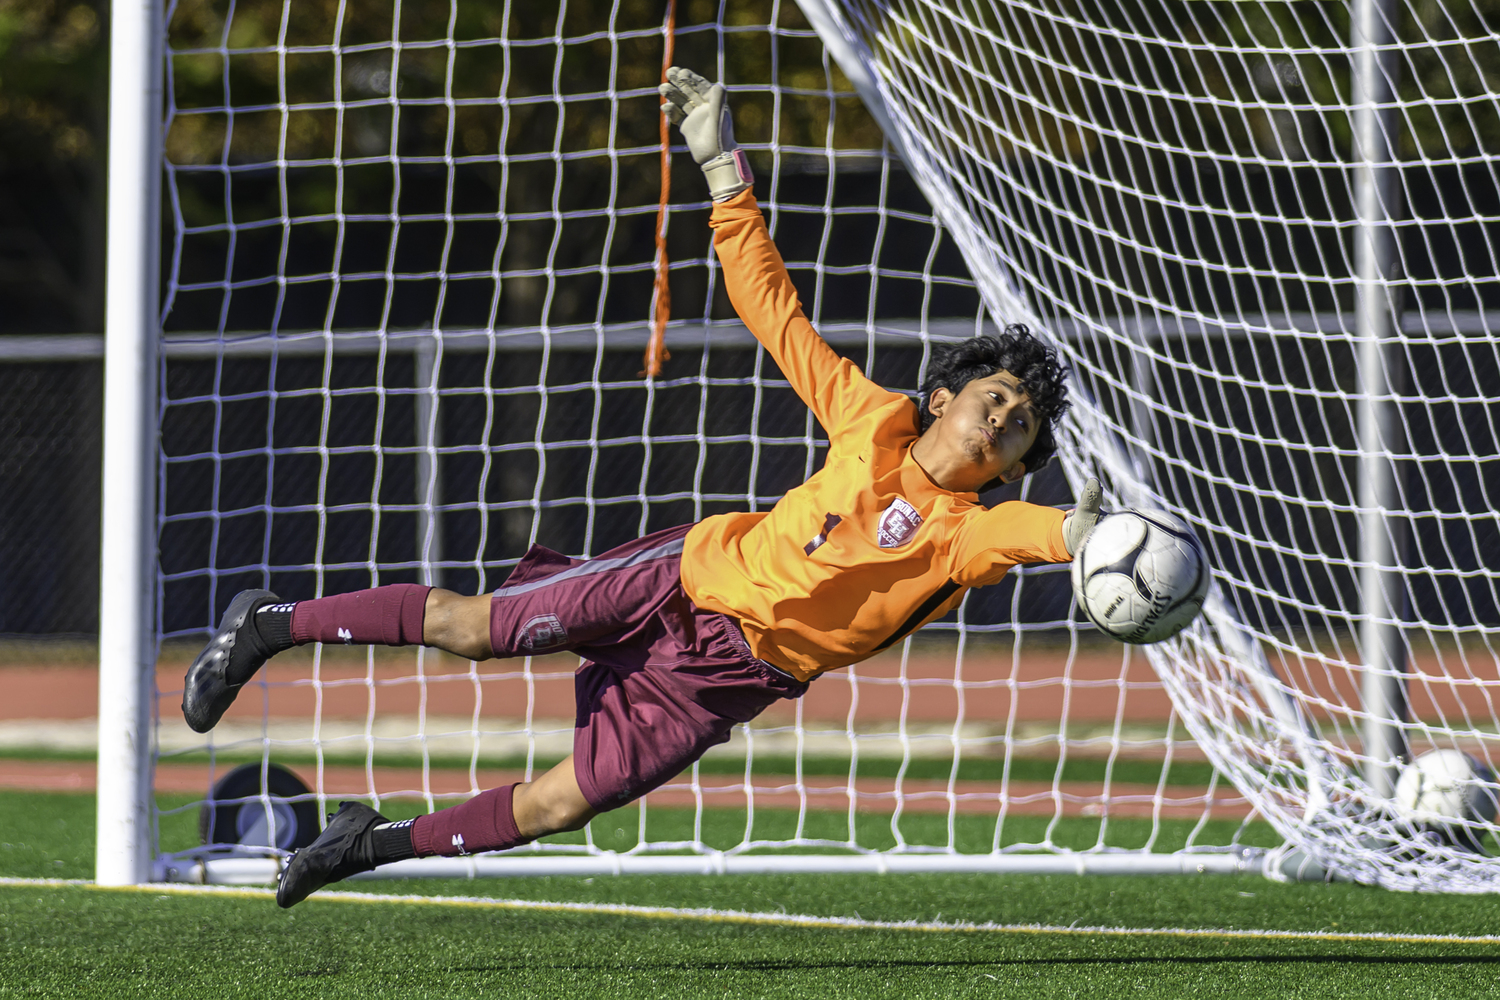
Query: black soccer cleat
x=345 y=848
x=208 y=689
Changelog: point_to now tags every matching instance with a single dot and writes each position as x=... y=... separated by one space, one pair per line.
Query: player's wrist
x=1079 y=522
x=728 y=174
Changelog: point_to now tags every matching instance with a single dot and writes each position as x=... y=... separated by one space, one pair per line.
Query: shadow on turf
x=306 y=973
x=787 y=966
x=1257 y=959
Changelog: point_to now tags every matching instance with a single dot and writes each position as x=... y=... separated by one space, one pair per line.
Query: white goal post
x=410 y=264
x=127 y=572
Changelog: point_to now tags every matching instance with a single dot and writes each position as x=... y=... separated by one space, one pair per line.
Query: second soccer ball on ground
x=1141 y=577
x=1448 y=793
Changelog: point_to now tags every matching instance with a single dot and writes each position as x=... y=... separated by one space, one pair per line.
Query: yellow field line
x=707 y=915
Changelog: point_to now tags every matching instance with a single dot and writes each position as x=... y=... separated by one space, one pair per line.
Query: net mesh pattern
x=1173 y=191
x=410 y=267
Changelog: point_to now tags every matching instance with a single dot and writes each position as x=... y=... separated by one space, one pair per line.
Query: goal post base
x=263 y=870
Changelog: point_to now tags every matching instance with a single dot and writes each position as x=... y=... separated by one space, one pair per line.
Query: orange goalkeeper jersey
x=868 y=549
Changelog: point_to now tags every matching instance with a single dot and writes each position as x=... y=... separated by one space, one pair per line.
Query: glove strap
x=728 y=174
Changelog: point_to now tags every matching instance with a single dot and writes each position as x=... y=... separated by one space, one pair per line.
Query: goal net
x=1264 y=234
x=412 y=269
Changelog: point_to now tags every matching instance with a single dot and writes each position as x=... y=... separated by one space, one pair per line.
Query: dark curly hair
x=1016 y=350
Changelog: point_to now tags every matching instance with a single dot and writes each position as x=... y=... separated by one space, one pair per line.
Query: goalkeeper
x=686 y=632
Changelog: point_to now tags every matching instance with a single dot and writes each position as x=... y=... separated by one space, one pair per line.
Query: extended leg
x=506 y=817
x=257 y=627
x=358 y=839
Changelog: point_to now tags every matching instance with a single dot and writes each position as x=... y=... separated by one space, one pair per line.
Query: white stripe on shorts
x=673 y=548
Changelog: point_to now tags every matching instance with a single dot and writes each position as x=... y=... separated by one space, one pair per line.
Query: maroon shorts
x=662 y=681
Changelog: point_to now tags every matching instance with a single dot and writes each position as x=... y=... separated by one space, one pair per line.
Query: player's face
x=983 y=430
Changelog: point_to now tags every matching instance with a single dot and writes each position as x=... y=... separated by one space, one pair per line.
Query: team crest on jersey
x=543 y=632
x=898 y=524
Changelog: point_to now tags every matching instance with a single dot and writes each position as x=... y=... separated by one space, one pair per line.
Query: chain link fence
x=50 y=441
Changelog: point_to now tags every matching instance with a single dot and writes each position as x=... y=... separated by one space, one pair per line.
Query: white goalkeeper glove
x=1081 y=520
x=698 y=108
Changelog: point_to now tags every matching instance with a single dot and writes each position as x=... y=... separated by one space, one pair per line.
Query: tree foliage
x=53 y=89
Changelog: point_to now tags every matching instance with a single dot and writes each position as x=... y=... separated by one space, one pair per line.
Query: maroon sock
x=385 y=616
x=484 y=823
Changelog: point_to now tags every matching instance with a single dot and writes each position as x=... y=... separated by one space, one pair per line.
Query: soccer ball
x=1442 y=786
x=1141 y=577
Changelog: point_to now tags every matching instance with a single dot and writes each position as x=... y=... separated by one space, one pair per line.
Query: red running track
x=873 y=795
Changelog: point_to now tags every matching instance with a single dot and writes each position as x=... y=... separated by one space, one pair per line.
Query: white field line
x=708 y=915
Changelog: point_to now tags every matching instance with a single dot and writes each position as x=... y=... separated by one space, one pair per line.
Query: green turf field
x=69 y=940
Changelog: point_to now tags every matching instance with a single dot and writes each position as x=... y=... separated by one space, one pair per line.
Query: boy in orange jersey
x=687 y=632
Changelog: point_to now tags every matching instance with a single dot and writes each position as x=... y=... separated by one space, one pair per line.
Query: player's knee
x=564 y=815
x=457 y=624
x=556 y=813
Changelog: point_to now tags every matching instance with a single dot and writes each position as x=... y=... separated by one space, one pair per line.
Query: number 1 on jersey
x=829 y=523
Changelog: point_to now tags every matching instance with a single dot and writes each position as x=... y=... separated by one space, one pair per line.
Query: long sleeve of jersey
x=867 y=550
x=834 y=389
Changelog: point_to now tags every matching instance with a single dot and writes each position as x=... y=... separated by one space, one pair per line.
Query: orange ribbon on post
x=661 y=298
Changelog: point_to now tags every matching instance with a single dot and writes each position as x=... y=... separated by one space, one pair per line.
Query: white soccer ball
x=1442 y=786
x=1141 y=577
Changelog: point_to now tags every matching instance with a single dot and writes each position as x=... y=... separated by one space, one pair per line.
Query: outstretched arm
x=754 y=274
x=1016 y=532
